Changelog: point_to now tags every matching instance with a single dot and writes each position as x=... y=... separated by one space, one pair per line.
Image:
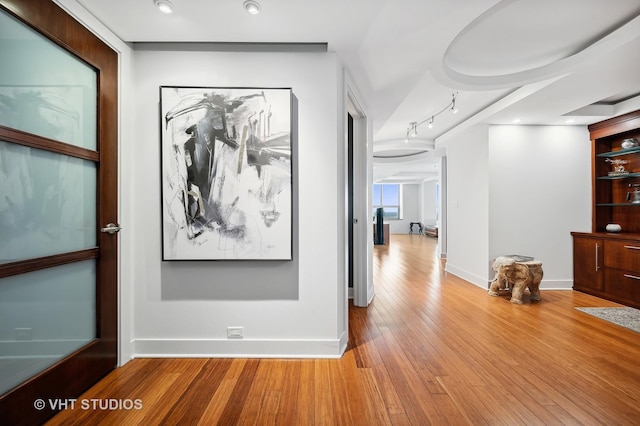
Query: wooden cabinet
x=608 y=264
x=588 y=262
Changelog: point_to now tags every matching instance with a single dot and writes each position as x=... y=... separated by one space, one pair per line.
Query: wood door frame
x=98 y=357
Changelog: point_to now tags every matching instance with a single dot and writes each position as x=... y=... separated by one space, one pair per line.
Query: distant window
x=387 y=196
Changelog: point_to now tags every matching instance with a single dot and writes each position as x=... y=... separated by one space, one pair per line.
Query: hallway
x=431 y=349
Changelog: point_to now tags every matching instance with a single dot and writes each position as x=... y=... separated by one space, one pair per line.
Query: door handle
x=597 y=266
x=111 y=228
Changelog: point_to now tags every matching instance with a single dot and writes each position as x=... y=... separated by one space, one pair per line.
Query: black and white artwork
x=226 y=173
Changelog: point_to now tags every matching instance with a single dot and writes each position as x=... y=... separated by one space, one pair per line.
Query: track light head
x=164 y=6
x=453 y=104
x=251 y=6
x=414 y=129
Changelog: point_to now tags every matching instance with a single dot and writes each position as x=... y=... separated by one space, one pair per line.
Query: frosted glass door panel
x=47 y=203
x=45 y=90
x=44 y=316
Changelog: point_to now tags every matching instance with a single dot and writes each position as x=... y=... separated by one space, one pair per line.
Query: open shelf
x=627 y=176
x=619 y=152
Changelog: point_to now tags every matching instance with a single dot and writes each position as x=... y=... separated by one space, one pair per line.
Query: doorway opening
x=359 y=225
x=350 y=219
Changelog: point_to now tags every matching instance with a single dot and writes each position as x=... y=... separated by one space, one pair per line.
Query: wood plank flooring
x=431 y=349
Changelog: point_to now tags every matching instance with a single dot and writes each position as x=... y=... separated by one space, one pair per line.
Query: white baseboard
x=484 y=284
x=552 y=285
x=467 y=276
x=239 y=348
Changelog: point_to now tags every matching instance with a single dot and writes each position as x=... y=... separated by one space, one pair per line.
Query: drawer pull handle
x=631 y=276
x=632 y=247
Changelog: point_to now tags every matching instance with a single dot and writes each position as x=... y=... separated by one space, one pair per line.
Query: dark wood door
x=52 y=155
x=588 y=263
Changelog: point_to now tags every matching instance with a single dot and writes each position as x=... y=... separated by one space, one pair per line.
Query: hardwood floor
x=431 y=349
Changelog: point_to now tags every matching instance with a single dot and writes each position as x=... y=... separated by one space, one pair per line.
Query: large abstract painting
x=226 y=173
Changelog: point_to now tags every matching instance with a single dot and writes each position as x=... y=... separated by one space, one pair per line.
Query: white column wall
x=468 y=205
x=539 y=191
x=429 y=202
x=443 y=213
x=517 y=190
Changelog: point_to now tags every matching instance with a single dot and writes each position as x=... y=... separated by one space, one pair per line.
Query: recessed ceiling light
x=516 y=120
x=569 y=121
x=251 y=6
x=165 y=6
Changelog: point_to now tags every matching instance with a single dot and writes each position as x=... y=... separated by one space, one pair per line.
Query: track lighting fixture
x=412 y=130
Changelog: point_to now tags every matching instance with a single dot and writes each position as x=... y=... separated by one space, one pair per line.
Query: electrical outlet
x=23 y=334
x=235 y=332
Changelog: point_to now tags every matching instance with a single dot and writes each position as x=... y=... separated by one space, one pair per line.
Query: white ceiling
x=539 y=61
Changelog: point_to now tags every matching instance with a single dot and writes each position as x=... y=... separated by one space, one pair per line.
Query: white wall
x=443 y=214
x=429 y=202
x=539 y=191
x=468 y=205
x=517 y=190
x=286 y=308
x=410 y=210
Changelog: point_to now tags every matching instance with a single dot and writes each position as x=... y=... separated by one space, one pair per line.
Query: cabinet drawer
x=623 y=285
x=622 y=255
